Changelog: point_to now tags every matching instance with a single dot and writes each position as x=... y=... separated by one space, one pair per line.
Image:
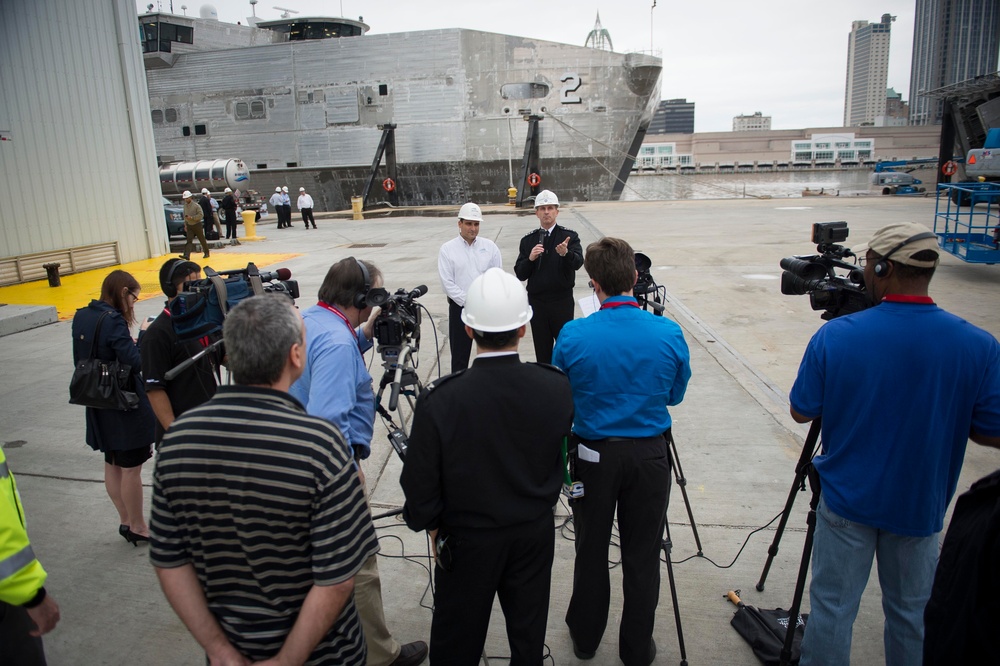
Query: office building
x=953 y=41
x=756 y=122
x=673 y=116
x=867 y=71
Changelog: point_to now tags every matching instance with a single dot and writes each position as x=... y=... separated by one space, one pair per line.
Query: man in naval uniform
x=548 y=259
x=484 y=488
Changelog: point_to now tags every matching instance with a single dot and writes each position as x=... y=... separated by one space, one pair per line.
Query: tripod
x=803 y=468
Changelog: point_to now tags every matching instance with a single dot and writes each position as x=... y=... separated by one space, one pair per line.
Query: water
x=778 y=185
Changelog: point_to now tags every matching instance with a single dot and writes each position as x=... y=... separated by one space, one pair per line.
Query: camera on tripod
x=816 y=274
x=398 y=325
x=200 y=309
x=645 y=287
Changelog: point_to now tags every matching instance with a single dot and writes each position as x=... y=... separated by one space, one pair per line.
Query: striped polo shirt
x=264 y=501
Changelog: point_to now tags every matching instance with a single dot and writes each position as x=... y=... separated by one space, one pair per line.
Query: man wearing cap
x=484 y=488
x=193 y=215
x=229 y=208
x=286 y=206
x=548 y=259
x=305 y=206
x=901 y=387
x=622 y=432
x=276 y=204
x=460 y=261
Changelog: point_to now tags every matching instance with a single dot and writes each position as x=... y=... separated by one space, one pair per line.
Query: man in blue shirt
x=625 y=366
x=335 y=385
x=901 y=388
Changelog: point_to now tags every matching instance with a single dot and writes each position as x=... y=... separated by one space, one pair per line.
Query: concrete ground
x=719 y=263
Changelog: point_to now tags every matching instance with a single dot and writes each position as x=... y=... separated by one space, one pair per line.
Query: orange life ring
x=949 y=168
x=388 y=184
x=534 y=180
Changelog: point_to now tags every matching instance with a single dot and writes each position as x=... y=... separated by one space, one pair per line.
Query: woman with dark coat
x=125 y=437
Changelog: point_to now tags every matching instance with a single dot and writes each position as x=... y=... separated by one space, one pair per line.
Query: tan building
x=756 y=122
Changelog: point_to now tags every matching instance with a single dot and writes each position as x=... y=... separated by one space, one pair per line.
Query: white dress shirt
x=305 y=201
x=460 y=263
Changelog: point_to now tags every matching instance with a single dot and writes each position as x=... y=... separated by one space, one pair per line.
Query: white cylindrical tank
x=216 y=175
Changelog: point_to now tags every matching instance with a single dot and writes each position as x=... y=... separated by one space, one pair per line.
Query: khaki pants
x=192 y=231
x=382 y=647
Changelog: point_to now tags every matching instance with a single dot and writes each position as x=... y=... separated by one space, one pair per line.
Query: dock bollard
x=511 y=196
x=250 y=226
x=52 y=273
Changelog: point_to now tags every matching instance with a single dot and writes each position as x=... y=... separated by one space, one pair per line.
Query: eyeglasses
x=863 y=259
x=135 y=296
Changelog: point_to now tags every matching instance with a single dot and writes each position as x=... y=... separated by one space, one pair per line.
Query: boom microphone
x=418 y=291
x=280 y=274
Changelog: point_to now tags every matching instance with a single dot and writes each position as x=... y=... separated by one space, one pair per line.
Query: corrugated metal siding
x=70 y=176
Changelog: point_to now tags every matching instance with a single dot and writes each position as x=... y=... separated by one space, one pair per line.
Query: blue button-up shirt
x=335 y=383
x=625 y=366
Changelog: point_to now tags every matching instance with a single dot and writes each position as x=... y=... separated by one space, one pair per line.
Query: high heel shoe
x=135 y=539
x=123 y=530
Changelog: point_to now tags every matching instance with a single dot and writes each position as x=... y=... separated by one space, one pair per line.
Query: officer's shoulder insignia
x=440 y=381
x=548 y=366
x=533 y=232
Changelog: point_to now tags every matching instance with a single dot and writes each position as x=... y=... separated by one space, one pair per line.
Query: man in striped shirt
x=259 y=522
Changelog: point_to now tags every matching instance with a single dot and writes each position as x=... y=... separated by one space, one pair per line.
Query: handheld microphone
x=419 y=291
x=280 y=274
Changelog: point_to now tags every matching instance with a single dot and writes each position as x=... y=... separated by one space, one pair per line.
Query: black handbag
x=102 y=384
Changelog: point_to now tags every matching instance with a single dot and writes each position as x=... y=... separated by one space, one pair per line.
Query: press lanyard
x=906 y=298
x=340 y=314
x=618 y=304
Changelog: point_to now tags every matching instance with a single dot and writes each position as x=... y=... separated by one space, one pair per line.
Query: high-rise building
x=673 y=116
x=756 y=122
x=953 y=41
x=867 y=71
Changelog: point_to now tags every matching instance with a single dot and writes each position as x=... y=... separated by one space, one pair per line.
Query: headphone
x=882 y=267
x=361 y=298
x=177 y=267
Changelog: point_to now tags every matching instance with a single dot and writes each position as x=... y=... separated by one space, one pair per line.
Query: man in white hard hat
x=460 y=261
x=489 y=515
x=229 y=208
x=548 y=259
x=210 y=207
x=305 y=206
x=279 y=211
x=193 y=215
x=286 y=206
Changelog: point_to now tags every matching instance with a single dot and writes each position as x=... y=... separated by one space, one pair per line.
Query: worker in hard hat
x=305 y=206
x=489 y=515
x=276 y=204
x=548 y=259
x=460 y=261
x=286 y=206
x=193 y=216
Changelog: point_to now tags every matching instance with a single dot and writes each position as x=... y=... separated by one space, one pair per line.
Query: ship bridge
x=311 y=27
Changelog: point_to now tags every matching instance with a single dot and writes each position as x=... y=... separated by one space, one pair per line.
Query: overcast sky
x=784 y=58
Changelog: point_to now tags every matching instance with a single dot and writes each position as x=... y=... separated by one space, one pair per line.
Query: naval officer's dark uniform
x=550 y=284
x=484 y=468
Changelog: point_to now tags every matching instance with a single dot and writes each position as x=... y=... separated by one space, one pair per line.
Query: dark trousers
x=307 y=217
x=458 y=339
x=16 y=646
x=546 y=322
x=193 y=231
x=231 y=224
x=514 y=564
x=286 y=210
x=279 y=211
x=634 y=476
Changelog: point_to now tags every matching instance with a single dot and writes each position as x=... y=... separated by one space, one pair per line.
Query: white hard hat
x=204 y=190
x=277 y=189
x=546 y=198
x=497 y=301
x=284 y=189
x=186 y=195
x=302 y=189
x=470 y=211
x=228 y=190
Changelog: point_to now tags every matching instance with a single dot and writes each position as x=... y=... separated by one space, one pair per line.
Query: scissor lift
x=967 y=221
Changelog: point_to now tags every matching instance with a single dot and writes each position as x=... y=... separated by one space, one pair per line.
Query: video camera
x=816 y=274
x=201 y=308
x=398 y=324
x=645 y=285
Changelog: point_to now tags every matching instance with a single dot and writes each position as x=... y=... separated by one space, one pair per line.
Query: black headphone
x=177 y=267
x=882 y=267
x=361 y=298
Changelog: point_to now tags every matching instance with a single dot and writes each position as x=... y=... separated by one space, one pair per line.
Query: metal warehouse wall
x=77 y=160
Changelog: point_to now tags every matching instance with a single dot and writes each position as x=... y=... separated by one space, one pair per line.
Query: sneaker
x=411 y=654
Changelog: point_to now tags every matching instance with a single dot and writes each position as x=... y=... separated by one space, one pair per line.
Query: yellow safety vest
x=21 y=575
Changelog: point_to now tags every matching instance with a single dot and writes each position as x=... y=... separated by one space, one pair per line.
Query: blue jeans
x=841 y=562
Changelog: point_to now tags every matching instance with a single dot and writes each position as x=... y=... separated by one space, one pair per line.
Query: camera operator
x=548 y=258
x=161 y=351
x=901 y=387
x=336 y=386
x=460 y=261
x=626 y=366
x=489 y=509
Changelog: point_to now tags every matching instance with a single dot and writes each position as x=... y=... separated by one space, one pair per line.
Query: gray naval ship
x=309 y=102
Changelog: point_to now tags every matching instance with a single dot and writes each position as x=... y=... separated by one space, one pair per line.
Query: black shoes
x=123 y=530
x=135 y=539
x=580 y=654
x=411 y=654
